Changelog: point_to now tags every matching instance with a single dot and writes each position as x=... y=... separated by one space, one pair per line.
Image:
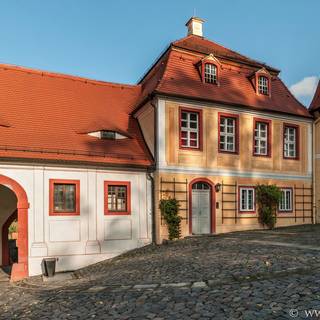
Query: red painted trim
x=239 y=200
x=200 y=133
x=128 y=200
x=233 y=116
x=287 y=211
x=203 y=66
x=269 y=136
x=52 y=212
x=20 y=270
x=297 y=127
x=212 y=201
x=5 y=240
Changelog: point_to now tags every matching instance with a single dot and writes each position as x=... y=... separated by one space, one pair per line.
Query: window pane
x=64 y=199
x=117 y=198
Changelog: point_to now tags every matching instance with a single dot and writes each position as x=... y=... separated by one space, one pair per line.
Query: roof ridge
x=245 y=57
x=6 y=66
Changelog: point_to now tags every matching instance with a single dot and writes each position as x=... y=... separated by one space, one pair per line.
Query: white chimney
x=194 y=25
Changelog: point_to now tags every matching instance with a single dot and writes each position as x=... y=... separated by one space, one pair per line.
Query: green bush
x=268 y=197
x=169 y=209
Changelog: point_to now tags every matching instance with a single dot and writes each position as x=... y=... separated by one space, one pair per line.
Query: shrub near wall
x=170 y=212
x=268 y=197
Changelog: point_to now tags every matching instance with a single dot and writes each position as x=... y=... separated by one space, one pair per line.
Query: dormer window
x=108 y=135
x=111 y=135
x=210 y=73
x=263 y=85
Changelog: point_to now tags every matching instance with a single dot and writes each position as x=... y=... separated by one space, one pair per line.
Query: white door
x=201 y=208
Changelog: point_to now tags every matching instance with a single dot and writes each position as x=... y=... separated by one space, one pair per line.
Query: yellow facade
x=233 y=170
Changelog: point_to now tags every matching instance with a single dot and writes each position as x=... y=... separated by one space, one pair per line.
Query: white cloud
x=305 y=88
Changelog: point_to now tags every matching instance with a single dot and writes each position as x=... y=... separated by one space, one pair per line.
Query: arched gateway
x=20 y=269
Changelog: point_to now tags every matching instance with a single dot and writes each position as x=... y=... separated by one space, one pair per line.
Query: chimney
x=194 y=25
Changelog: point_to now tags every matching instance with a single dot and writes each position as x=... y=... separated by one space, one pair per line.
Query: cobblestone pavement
x=228 y=276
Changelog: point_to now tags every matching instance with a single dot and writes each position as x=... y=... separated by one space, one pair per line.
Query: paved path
x=230 y=276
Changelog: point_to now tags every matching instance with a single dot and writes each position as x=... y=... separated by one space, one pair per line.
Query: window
x=64 y=197
x=117 y=198
x=290 y=141
x=190 y=126
x=262 y=145
x=285 y=204
x=263 y=85
x=246 y=199
x=210 y=73
x=228 y=133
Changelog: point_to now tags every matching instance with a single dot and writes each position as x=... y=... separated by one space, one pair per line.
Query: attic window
x=108 y=135
x=210 y=73
x=263 y=85
x=111 y=135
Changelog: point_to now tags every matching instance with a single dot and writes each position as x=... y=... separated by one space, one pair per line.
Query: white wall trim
x=232 y=173
x=161 y=134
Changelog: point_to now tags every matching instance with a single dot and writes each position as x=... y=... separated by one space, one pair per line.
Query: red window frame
x=236 y=118
x=127 y=184
x=254 y=200
x=297 y=127
x=203 y=68
x=286 y=211
x=199 y=112
x=52 y=212
x=269 y=137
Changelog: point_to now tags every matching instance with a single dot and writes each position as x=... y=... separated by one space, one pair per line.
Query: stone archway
x=20 y=269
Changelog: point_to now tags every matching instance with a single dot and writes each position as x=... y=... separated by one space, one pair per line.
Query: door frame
x=212 y=203
x=19 y=270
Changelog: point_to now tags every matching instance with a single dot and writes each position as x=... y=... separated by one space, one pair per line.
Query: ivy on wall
x=169 y=210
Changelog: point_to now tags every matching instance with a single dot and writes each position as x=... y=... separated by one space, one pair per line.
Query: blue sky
x=118 y=40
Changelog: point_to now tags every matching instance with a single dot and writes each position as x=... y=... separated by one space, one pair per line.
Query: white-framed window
x=263 y=85
x=285 y=203
x=227 y=134
x=247 y=199
x=210 y=73
x=261 y=135
x=189 y=129
x=290 y=142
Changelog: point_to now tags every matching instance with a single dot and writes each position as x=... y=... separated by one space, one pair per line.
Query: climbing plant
x=268 y=197
x=169 y=209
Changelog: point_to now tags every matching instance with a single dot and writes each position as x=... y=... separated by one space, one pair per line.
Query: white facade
x=92 y=236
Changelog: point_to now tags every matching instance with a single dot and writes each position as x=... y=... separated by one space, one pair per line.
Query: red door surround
x=20 y=269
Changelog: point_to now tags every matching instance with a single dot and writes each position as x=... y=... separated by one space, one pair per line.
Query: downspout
x=153 y=208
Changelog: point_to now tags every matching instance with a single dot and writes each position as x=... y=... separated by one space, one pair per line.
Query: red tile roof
x=180 y=77
x=315 y=103
x=47 y=115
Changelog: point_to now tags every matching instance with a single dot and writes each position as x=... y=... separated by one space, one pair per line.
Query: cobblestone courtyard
x=246 y=275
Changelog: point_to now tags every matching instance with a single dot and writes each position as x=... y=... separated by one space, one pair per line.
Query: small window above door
x=200 y=186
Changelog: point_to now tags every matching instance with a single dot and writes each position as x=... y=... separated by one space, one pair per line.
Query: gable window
x=64 y=197
x=190 y=126
x=263 y=85
x=246 y=199
x=290 y=141
x=285 y=204
x=117 y=198
x=210 y=73
x=262 y=145
x=228 y=133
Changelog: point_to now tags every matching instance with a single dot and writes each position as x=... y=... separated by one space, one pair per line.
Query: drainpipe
x=153 y=207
